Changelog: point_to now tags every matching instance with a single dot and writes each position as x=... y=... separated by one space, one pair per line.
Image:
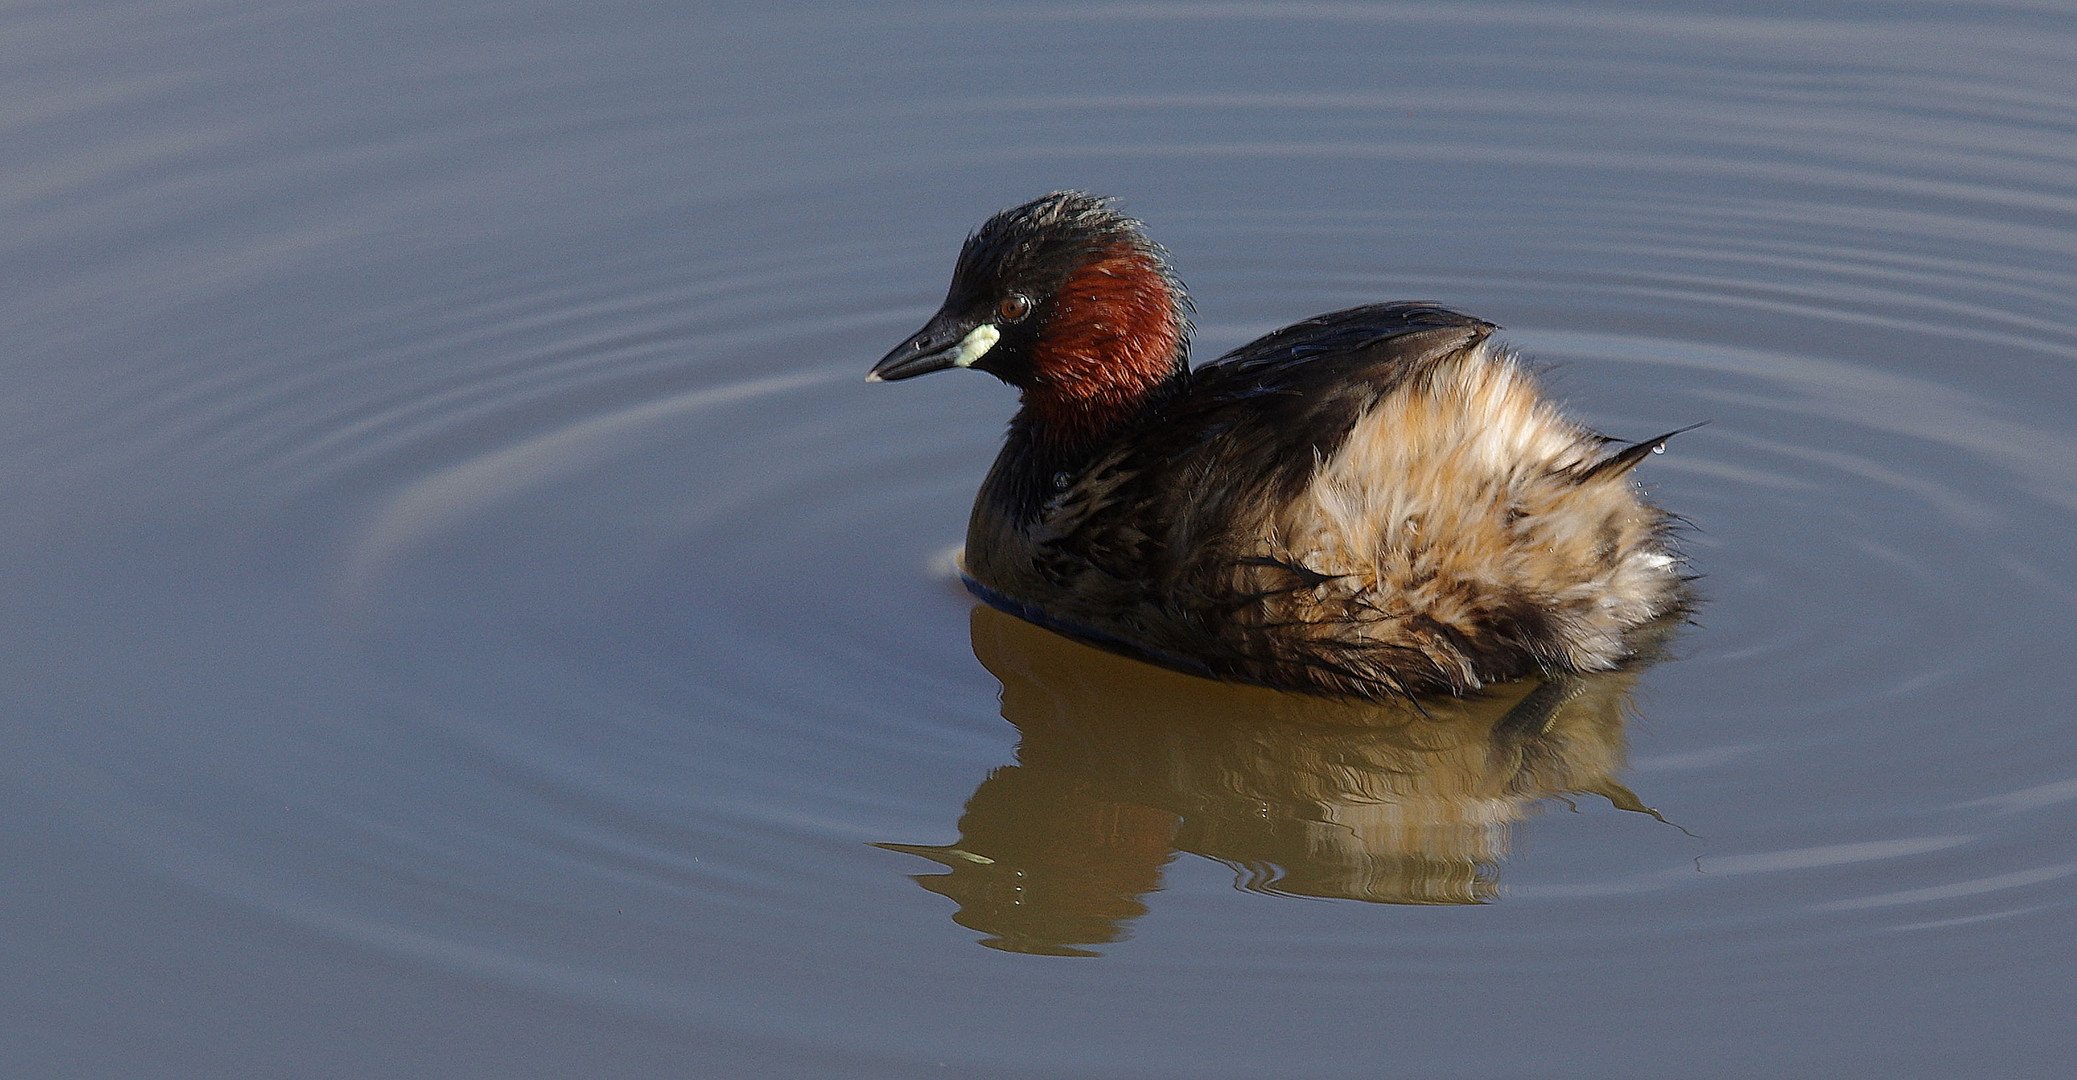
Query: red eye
x=1014 y=307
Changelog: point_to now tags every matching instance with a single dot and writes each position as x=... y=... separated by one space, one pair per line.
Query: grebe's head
x=1065 y=299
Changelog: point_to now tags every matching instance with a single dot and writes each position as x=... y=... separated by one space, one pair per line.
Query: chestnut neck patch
x=1113 y=336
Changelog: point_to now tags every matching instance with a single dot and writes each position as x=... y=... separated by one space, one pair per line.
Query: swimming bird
x=1374 y=503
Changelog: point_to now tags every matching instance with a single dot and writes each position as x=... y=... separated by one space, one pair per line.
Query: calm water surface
x=465 y=615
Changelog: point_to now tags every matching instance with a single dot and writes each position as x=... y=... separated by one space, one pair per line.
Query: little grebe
x=1373 y=502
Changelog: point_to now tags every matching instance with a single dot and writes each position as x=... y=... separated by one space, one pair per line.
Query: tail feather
x=1622 y=461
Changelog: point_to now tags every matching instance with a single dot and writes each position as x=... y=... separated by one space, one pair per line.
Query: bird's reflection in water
x=1122 y=765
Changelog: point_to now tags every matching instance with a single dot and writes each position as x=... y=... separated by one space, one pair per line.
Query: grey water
x=464 y=614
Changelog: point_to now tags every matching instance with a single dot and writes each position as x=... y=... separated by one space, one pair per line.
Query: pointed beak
x=947 y=341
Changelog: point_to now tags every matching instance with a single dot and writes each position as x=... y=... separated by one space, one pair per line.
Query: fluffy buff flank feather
x=1462 y=521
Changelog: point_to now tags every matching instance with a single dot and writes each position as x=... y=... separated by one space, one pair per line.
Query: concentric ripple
x=458 y=584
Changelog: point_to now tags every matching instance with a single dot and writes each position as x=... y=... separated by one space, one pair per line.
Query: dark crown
x=1035 y=246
